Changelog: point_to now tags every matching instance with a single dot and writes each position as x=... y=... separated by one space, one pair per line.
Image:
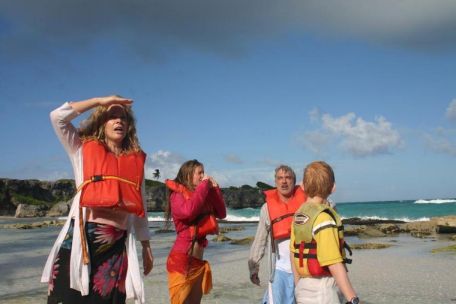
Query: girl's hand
x=213 y=182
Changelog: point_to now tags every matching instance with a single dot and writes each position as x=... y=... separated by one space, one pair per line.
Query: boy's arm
x=293 y=267
x=340 y=275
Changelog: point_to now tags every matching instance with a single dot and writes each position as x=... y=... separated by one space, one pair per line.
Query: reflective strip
x=323 y=225
x=99 y=178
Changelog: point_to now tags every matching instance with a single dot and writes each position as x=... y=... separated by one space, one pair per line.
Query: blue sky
x=368 y=86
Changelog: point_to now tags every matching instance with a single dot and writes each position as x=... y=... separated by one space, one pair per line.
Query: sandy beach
x=407 y=272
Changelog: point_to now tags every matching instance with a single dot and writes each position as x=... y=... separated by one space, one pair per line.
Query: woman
x=194 y=202
x=94 y=258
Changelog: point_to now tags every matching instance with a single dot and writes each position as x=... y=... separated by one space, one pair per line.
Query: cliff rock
x=54 y=198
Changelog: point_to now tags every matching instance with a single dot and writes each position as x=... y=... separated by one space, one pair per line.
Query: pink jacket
x=185 y=211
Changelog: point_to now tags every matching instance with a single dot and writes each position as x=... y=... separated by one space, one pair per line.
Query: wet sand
x=405 y=273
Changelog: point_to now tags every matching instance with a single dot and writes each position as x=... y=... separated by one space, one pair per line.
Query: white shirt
x=283 y=258
x=79 y=273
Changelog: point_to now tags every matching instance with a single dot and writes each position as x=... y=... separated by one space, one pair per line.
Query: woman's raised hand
x=84 y=105
x=114 y=99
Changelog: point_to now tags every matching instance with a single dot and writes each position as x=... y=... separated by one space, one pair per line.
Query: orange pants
x=183 y=273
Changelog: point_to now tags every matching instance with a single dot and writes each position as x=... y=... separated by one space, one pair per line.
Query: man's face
x=285 y=183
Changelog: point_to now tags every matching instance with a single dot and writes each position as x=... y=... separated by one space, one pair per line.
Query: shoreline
x=407 y=272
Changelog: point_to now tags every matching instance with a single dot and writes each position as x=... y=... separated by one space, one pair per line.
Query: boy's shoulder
x=323 y=218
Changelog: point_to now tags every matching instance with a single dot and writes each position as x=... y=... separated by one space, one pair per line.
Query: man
x=276 y=216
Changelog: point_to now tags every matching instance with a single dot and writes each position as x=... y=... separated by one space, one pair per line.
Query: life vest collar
x=280 y=213
x=205 y=223
x=179 y=188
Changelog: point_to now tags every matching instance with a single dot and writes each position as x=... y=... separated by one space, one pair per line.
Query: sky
x=243 y=86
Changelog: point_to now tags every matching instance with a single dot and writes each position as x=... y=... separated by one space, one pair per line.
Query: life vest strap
x=99 y=178
x=278 y=219
x=94 y=179
x=303 y=256
x=305 y=246
x=346 y=246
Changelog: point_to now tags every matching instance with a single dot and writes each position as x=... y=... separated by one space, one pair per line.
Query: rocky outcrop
x=24 y=210
x=243 y=197
x=446 y=224
x=41 y=198
x=29 y=198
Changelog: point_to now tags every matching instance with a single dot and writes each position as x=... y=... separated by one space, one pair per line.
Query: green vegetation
x=451 y=248
x=246 y=187
x=29 y=200
x=370 y=246
x=153 y=183
x=264 y=186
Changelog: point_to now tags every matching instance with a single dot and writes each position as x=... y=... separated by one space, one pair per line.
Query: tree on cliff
x=157 y=174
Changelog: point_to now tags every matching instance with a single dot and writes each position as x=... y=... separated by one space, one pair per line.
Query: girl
x=194 y=202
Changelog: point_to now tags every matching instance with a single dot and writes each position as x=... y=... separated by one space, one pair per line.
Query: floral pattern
x=55 y=272
x=109 y=274
x=109 y=263
x=106 y=236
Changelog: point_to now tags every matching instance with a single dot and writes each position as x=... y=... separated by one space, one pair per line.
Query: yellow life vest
x=305 y=247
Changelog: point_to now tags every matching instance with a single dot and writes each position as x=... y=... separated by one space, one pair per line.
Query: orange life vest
x=110 y=180
x=281 y=213
x=205 y=223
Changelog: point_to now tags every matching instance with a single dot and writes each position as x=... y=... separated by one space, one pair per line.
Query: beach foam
x=435 y=201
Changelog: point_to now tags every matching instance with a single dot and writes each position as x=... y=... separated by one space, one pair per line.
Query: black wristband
x=354 y=300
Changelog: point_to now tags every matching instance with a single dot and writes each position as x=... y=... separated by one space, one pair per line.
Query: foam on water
x=435 y=201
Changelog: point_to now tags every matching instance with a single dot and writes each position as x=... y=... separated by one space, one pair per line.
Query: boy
x=317 y=244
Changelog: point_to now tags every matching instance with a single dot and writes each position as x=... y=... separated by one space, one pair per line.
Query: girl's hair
x=318 y=179
x=184 y=177
x=94 y=128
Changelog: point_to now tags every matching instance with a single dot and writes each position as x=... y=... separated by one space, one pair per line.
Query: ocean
x=404 y=210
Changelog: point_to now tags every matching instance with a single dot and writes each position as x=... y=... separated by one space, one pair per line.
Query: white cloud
x=451 y=110
x=355 y=135
x=315 y=141
x=440 y=141
x=233 y=159
x=245 y=176
x=167 y=162
x=314 y=115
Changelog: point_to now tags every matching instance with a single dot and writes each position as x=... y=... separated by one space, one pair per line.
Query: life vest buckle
x=97 y=178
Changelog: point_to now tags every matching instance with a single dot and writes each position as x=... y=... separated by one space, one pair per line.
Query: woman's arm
x=62 y=116
x=189 y=209
x=85 y=105
x=142 y=233
x=66 y=133
x=215 y=197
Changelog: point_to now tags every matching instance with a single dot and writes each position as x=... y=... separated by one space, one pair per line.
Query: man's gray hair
x=286 y=169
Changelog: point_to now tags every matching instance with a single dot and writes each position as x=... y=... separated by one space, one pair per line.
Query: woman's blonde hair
x=318 y=179
x=94 y=128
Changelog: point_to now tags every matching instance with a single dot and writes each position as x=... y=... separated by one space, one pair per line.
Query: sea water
x=405 y=210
